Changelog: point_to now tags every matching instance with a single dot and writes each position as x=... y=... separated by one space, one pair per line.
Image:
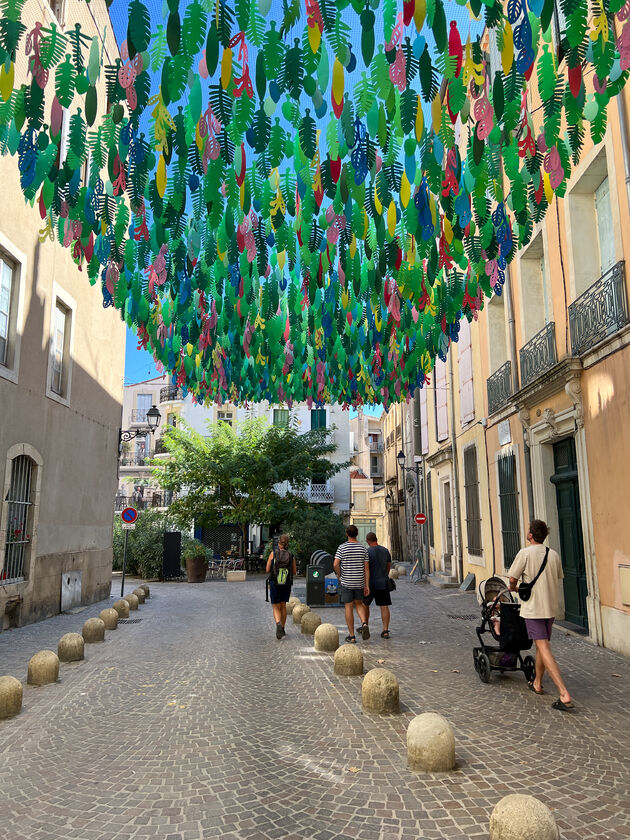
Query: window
x=318 y=418
x=508 y=499
x=430 y=510
x=57 y=7
x=59 y=377
x=65 y=137
x=19 y=519
x=465 y=370
x=143 y=404
x=441 y=401
x=171 y=420
x=535 y=292
x=281 y=417
x=496 y=333
x=424 y=422
x=375 y=465
x=604 y=226
x=473 y=512
x=7 y=306
x=225 y=417
x=143 y=448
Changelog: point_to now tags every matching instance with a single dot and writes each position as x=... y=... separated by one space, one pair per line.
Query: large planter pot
x=196 y=569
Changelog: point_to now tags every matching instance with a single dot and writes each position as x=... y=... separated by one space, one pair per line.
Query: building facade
x=61 y=379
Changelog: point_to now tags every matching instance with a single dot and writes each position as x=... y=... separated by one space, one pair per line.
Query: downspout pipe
x=458 y=529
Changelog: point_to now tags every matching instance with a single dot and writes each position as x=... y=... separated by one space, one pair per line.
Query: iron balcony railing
x=135 y=461
x=149 y=500
x=600 y=311
x=160 y=448
x=316 y=493
x=139 y=415
x=376 y=446
x=539 y=354
x=171 y=393
x=499 y=387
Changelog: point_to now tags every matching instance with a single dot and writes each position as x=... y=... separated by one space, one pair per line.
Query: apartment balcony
x=600 y=311
x=139 y=416
x=538 y=355
x=150 y=500
x=160 y=448
x=499 y=388
x=314 y=493
x=135 y=461
x=376 y=446
x=171 y=393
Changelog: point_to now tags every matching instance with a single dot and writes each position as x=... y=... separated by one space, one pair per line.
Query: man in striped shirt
x=352 y=567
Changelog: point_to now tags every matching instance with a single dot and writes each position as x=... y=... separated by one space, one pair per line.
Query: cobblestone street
x=196 y=723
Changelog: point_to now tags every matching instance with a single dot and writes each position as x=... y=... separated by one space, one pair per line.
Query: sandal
x=364 y=630
x=385 y=634
x=533 y=688
x=562 y=706
x=352 y=640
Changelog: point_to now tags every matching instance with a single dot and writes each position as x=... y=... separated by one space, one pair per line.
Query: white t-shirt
x=352 y=556
x=544 y=601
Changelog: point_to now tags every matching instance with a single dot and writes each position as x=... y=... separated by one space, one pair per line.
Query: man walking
x=353 y=570
x=380 y=564
x=540 y=609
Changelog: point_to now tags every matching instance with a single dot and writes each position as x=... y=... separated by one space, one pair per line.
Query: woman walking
x=281 y=568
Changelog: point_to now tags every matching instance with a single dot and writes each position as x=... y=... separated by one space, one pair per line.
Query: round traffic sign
x=420 y=518
x=129 y=515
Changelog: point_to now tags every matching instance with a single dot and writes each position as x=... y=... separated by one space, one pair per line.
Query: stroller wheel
x=529 y=668
x=483 y=668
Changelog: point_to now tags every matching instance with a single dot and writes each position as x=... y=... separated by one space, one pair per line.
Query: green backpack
x=282 y=562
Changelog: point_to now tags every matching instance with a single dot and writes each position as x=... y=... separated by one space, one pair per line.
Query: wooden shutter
x=424 y=421
x=508 y=499
x=465 y=368
x=473 y=512
x=441 y=400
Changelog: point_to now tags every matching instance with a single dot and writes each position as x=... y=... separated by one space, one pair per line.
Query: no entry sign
x=420 y=518
x=129 y=515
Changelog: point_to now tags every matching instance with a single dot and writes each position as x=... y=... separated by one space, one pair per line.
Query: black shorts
x=279 y=594
x=347 y=595
x=381 y=596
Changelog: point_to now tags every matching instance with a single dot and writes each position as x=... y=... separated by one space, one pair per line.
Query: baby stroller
x=500 y=616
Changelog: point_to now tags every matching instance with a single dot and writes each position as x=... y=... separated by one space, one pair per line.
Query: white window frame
x=62 y=298
x=13 y=255
x=58 y=16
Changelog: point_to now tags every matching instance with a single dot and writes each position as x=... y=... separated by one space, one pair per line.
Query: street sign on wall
x=420 y=518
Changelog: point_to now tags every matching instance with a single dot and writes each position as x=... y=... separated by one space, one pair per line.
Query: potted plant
x=195 y=555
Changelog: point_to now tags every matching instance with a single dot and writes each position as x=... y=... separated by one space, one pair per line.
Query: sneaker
x=352 y=640
x=279 y=631
x=364 y=630
x=284 y=632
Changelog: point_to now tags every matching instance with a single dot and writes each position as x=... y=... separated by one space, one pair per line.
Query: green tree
x=310 y=529
x=144 y=543
x=232 y=475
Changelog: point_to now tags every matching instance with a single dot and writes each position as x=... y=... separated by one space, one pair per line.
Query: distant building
x=61 y=378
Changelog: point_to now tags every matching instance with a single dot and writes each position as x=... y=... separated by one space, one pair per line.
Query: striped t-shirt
x=352 y=556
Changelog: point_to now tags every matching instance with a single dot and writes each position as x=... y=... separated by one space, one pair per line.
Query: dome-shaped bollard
x=121 y=607
x=393 y=573
x=521 y=817
x=43 y=668
x=402 y=571
x=298 y=612
x=291 y=603
x=109 y=617
x=10 y=697
x=71 y=648
x=310 y=622
x=147 y=591
x=139 y=593
x=93 y=630
x=348 y=661
x=326 y=637
x=430 y=744
x=132 y=600
x=379 y=693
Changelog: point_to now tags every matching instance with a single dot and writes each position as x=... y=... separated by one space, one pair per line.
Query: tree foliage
x=144 y=543
x=312 y=528
x=237 y=475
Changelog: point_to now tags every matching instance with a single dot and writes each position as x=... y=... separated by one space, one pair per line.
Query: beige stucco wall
x=76 y=439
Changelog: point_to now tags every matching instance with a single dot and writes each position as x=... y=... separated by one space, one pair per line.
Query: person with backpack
x=281 y=568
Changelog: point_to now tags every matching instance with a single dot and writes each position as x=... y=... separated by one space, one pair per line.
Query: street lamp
x=153 y=421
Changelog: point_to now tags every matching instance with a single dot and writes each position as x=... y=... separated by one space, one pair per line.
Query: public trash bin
x=315 y=584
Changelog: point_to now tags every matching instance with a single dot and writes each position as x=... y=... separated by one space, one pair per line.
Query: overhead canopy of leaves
x=279 y=207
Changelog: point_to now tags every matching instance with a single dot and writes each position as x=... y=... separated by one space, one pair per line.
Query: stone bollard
x=43 y=668
x=121 y=607
x=430 y=744
x=298 y=611
x=310 y=622
x=109 y=617
x=147 y=591
x=132 y=600
x=326 y=637
x=139 y=593
x=402 y=571
x=521 y=817
x=294 y=600
x=71 y=648
x=94 y=630
x=10 y=697
x=348 y=661
x=380 y=693
x=393 y=573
